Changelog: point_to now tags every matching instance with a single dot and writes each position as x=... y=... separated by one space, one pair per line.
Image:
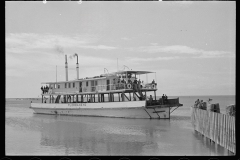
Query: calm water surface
x=35 y=134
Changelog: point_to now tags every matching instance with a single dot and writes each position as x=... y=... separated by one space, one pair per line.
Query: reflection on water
x=107 y=136
x=37 y=134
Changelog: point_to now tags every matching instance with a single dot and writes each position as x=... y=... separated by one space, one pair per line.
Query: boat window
x=59 y=86
x=86 y=83
x=96 y=83
x=69 y=85
x=65 y=85
x=92 y=83
x=73 y=84
x=55 y=85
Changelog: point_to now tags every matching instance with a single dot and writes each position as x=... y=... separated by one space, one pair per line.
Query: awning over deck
x=134 y=72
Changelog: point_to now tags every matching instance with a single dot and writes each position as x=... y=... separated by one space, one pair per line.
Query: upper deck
x=115 y=82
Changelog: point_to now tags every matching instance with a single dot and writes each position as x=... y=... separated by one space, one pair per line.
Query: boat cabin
x=123 y=80
x=120 y=82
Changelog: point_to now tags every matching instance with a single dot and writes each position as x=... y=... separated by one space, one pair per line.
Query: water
x=35 y=134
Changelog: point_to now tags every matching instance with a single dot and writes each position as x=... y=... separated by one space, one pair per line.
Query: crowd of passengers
x=45 y=89
x=117 y=84
x=121 y=83
x=163 y=100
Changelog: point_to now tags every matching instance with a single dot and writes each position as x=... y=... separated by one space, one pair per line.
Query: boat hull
x=133 y=109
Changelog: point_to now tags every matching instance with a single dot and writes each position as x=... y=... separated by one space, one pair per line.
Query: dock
x=219 y=128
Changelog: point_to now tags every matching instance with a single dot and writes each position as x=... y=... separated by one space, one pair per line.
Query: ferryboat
x=113 y=94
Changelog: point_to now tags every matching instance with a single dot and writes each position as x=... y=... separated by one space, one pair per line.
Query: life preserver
x=153 y=86
x=129 y=86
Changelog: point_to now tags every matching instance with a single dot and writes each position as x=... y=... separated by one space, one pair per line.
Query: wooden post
x=123 y=97
x=155 y=95
x=130 y=96
x=119 y=97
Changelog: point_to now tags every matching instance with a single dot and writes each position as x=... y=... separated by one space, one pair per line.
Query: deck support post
x=122 y=97
x=112 y=97
x=42 y=98
x=102 y=97
x=130 y=96
x=155 y=95
x=119 y=97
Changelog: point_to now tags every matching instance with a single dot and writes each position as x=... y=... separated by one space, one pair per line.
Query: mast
x=56 y=74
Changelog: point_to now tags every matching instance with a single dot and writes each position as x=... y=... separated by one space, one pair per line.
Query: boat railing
x=150 y=86
x=160 y=101
x=120 y=86
x=109 y=87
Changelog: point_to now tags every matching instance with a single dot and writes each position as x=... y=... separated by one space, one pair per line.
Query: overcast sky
x=190 y=45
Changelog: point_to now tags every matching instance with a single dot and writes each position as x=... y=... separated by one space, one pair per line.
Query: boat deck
x=101 y=92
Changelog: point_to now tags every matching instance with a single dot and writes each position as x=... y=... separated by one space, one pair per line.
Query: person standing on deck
x=150 y=100
x=143 y=85
x=139 y=84
x=135 y=84
x=166 y=99
x=153 y=82
x=129 y=81
x=163 y=99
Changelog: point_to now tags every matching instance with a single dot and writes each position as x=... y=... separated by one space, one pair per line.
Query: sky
x=190 y=45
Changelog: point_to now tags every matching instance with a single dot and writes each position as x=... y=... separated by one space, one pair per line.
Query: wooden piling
x=219 y=128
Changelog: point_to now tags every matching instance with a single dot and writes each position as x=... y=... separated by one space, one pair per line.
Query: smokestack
x=77 y=66
x=66 y=67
